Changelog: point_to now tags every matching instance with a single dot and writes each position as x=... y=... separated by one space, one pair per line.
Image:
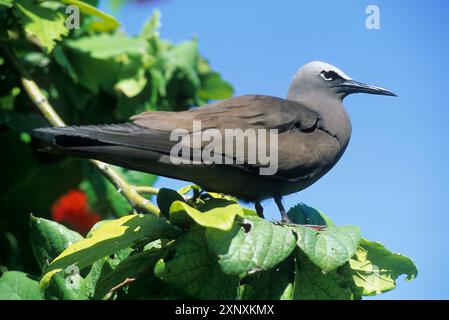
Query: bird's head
x=322 y=79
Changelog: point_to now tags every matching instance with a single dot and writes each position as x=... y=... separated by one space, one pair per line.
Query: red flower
x=72 y=209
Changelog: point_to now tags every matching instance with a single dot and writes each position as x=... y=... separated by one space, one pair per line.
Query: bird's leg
x=285 y=218
x=259 y=210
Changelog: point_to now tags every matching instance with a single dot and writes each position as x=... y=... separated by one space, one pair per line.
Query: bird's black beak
x=351 y=86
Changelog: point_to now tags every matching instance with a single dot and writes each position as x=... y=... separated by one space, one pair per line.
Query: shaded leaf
x=275 y=284
x=109 y=238
x=50 y=239
x=194 y=270
x=303 y=214
x=165 y=198
x=131 y=268
x=15 y=285
x=311 y=283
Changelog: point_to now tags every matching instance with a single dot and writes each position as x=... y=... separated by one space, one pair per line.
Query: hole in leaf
x=246 y=226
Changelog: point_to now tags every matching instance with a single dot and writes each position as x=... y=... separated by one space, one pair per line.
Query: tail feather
x=126 y=134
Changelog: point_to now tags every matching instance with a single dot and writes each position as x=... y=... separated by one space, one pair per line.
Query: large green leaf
x=50 y=239
x=214 y=213
x=195 y=271
x=44 y=23
x=311 y=283
x=15 y=285
x=375 y=269
x=329 y=248
x=253 y=244
x=109 y=238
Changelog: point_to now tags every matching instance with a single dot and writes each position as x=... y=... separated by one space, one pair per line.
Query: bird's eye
x=329 y=75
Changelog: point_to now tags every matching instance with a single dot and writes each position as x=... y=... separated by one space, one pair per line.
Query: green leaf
x=330 y=248
x=182 y=57
x=303 y=214
x=50 y=239
x=109 y=238
x=275 y=284
x=214 y=87
x=311 y=283
x=215 y=213
x=61 y=287
x=151 y=26
x=253 y=244
x=194 y=270
x=118 y=60
x=165 y=198
x=107 y=22
x=375 y=269
x=133 y=85
x=46 y=24
x=133 y=267
x=106 y=46
x=15 y=285
x=6 y=3
x=100 y=270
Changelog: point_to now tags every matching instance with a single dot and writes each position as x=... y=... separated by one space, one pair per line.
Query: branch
x=130 y=192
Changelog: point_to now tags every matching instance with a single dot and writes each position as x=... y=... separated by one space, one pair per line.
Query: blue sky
x=393 y=180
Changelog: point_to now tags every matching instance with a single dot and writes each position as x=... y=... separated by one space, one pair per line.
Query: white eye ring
x=323 y=75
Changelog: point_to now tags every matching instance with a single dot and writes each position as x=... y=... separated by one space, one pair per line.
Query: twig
x=119 y=286
x=146 y=190
x=130 y=192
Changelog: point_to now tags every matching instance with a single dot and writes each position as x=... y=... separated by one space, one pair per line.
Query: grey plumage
x=314 y=131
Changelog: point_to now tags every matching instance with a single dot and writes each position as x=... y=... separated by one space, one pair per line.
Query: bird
x=312 y=126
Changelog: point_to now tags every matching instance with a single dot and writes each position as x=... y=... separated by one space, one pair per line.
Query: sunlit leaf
x=253 y=244
x=375 y=269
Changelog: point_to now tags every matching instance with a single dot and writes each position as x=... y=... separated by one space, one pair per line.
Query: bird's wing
x=297 y=127
x=244 y=112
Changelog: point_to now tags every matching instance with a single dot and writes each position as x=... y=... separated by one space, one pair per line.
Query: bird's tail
x=128 y=145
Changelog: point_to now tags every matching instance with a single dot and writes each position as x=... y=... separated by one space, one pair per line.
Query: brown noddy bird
x=313 y=131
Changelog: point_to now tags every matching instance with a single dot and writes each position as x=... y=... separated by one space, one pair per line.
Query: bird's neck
x=335 y=119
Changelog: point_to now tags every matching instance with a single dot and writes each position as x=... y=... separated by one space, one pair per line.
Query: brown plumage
x=313 y=132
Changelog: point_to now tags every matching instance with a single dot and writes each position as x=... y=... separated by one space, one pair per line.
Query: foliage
x=89 y=76
x=255 y=259
x=204 y=245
